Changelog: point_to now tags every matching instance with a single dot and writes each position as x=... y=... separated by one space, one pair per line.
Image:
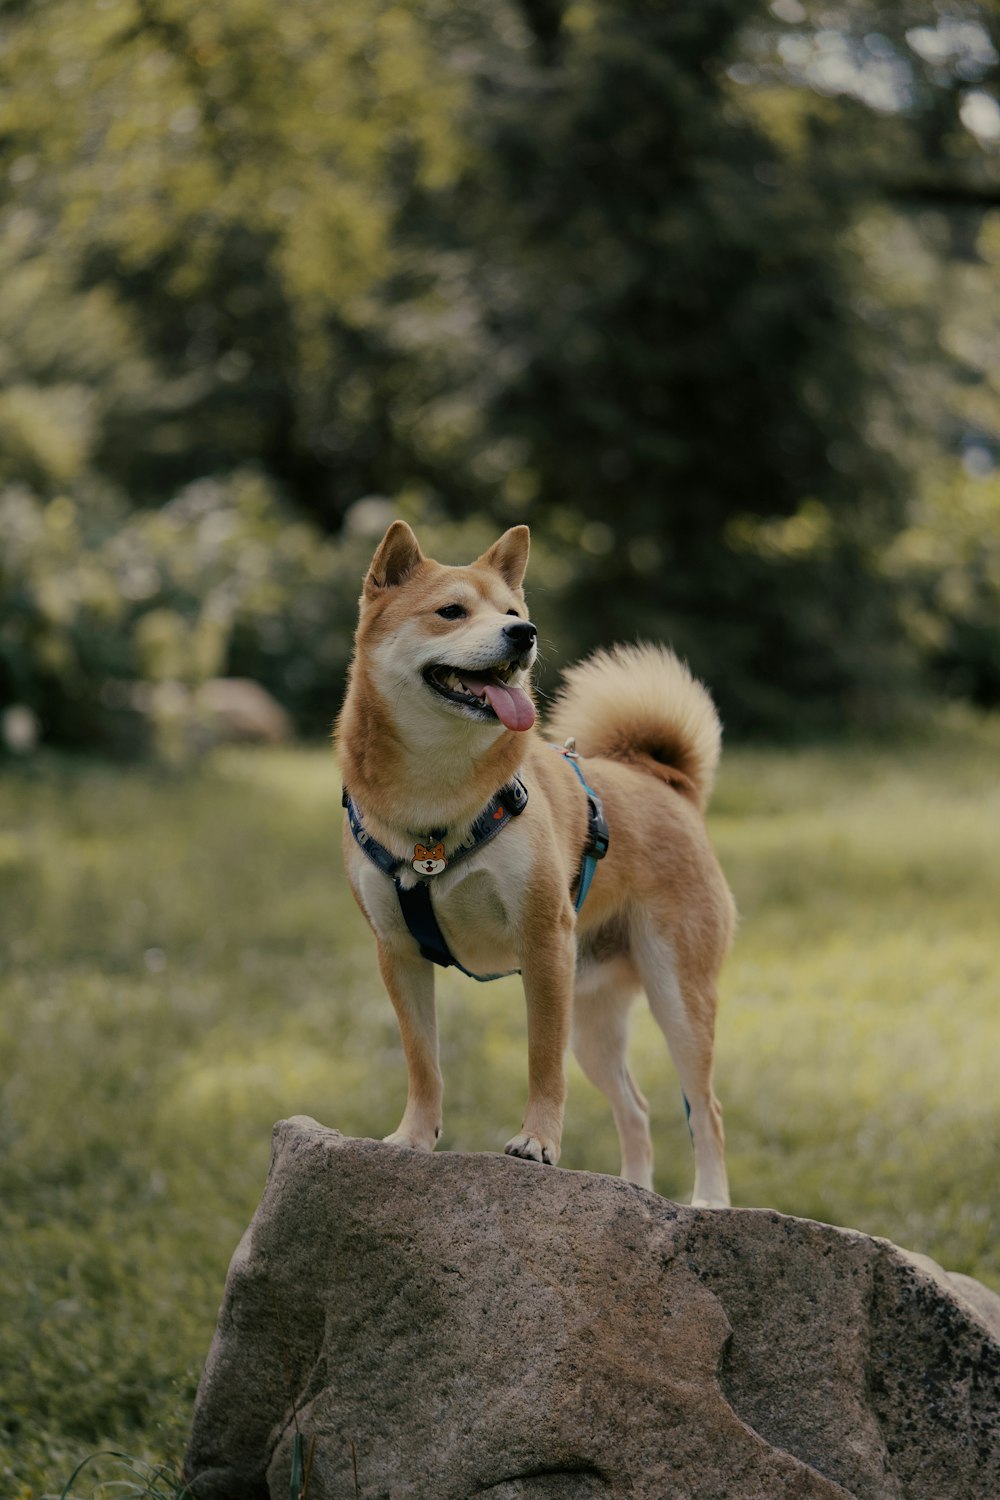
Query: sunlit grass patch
x=860 y=1032
x=184 y=965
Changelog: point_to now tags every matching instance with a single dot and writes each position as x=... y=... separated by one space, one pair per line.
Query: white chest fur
x=478 y=903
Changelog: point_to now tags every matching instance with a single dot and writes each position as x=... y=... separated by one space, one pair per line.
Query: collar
x=509 y=802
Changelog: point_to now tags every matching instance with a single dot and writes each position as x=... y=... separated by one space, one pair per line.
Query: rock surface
x=464 y=1326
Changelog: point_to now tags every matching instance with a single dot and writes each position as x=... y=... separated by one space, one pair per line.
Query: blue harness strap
x=598 y=837
x=415 y=902
x=509 y=802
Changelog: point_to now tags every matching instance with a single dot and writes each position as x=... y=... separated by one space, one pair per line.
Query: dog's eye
x=453 y=612
x=514 y=613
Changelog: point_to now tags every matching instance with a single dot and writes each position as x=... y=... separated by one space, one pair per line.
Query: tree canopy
x=706 y=292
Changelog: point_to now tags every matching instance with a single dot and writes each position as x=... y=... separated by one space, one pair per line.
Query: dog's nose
x=521 y=635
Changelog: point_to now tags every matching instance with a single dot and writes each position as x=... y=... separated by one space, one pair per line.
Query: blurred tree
x=682 y=333
x=948 y=560
x=660 y=279
x=685 y=343
x=910 y=100
x=234 y=174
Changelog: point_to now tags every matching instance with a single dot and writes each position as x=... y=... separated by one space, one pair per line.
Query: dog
x=469 y=840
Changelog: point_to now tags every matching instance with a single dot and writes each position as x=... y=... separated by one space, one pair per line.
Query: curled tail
x=640 y=704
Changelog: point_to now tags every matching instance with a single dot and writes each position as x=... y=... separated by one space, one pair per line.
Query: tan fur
x=659 y=915
x=641 y=704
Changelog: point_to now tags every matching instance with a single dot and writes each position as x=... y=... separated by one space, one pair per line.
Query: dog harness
x=509 y=802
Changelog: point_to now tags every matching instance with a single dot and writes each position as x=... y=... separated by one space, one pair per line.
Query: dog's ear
x=508 y=556
x=397 y=555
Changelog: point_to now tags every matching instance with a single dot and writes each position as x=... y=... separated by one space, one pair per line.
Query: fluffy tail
x=640 y=704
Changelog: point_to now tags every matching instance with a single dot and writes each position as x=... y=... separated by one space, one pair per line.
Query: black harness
x=415 y=900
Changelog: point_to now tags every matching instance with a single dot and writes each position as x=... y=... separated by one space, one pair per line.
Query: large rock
x=464 y=1326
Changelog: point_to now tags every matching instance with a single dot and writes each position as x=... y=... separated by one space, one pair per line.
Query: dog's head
x=450 y=641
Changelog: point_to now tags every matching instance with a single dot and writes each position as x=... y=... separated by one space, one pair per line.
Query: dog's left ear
x=508 y=556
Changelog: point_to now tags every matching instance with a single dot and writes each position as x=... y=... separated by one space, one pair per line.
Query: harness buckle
x=513 y=798
x=599 y=834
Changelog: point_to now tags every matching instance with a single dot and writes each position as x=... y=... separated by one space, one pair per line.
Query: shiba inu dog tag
x=428 y=861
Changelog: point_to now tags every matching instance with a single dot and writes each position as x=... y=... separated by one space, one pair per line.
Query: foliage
x=229 y=177
x=948 y=557
x=686 y=359
x=146 y=1051
x=669 y=282
x=105 y=612
x=95 y=600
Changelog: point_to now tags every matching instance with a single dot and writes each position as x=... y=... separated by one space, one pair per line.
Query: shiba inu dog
x=466 y=834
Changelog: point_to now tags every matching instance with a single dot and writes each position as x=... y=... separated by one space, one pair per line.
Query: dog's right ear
x=397 y=555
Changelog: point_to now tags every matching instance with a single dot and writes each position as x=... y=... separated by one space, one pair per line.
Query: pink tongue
x=511 y=705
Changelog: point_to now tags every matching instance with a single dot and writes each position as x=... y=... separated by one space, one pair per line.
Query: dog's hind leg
x=683 y=1005
x=603 y=996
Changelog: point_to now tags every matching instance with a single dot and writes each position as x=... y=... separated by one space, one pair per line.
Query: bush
x=947 y=562
x=95 y=599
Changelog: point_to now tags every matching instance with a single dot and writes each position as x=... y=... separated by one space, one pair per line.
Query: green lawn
x=182 y=965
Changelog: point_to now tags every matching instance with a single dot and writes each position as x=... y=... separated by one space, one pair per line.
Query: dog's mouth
x=492 y=694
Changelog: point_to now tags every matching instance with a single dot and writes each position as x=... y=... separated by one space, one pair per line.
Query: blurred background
x=707 y=292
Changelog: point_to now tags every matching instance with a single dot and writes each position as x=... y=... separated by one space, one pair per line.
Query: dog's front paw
x=710 y=1203
x=531 y=1148
x=411 y=1140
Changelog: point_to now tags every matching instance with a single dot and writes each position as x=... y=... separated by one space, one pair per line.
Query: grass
x=184 y=965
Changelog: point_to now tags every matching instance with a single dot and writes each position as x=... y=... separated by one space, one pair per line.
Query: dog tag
x=428 y=860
